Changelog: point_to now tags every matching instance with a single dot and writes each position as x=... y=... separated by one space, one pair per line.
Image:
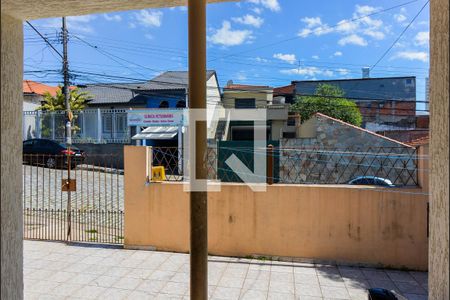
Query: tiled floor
x=59 y=271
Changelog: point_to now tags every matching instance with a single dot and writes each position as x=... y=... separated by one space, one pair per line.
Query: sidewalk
x=58 y=271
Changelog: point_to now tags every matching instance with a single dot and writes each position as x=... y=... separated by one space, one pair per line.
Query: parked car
x=371 y=180
x=51 y=154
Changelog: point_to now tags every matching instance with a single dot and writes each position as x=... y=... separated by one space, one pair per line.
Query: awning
x=157 y=133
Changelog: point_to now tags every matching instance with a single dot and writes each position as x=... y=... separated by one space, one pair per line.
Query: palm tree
x=77 y=100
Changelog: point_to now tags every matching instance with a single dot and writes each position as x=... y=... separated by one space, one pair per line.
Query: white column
x=11 y=217
x=38 y=124
x=99 y=125
x=180 y=149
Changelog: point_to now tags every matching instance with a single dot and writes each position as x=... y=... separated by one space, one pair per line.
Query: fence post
x=83 y=127
x=38 y=124
x=270 y=164
x=114 y=125
x=53 y=125
x=99 y=125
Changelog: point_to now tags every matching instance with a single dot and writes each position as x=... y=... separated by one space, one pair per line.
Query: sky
x=263 y=42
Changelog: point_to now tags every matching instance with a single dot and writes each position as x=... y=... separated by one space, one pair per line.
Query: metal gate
x=94 y=212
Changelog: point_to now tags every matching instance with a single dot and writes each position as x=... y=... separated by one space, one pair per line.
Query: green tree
x=329 y=100
x=77 y=100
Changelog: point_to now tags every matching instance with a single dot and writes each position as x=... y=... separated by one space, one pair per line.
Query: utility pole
x=69 y=117
x=66 y=84
x=198 y=199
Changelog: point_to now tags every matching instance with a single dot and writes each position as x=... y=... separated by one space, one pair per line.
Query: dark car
x=371 y=180
x=51 y=154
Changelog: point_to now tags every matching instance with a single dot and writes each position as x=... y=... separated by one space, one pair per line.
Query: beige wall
x=262 y=97
x=439 y=151
x=11 y=158
x=355 y=224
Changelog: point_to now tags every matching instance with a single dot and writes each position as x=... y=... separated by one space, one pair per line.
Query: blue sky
x=266 y=42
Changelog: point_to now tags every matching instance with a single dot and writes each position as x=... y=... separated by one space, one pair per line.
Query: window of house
x=181 y=104
x=121 y=122
x=408 y=82
x=164 y=104
x=245 y=103
x=106 y=123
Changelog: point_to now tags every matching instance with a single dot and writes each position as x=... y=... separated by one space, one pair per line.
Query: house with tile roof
x=33 y=94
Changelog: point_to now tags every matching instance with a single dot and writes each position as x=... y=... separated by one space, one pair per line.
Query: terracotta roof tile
x=33 y=87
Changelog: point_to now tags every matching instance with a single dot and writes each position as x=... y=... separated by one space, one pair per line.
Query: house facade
x=387 y=103
x=237 y=96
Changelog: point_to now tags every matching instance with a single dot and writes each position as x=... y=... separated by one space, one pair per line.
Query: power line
x=45 y=39
x=183 y=85
x=400 y=36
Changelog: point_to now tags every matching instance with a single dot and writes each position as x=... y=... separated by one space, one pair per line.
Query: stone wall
x=340 y=152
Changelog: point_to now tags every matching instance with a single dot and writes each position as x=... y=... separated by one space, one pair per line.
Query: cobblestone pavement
x=95 y=189
x=59 y=271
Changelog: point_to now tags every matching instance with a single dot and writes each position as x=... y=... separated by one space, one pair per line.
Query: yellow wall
x=339 y=223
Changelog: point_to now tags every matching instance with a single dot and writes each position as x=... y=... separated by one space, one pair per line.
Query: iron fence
x=92 y=212
x=306 y=165
x=317 y=165
x=88 y=126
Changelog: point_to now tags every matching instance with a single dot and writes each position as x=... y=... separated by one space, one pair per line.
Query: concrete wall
x=11 y=158
x=439 y=150
x=332 y=223
x=104 y=155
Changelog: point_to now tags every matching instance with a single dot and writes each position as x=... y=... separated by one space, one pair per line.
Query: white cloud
x=365 y=9
x=342 y=71
x=131 y=25
x=400 y=18
x=115 y=18
x=305 y=32
x=412 y=55
x=352 y=31
x=257 y=10
x=312 y=22
x=378 y=35
x=346 y=26
x=289 y=58
x=422 y=38
x=227 y=37
x=353 y=39
x=315 y=57
x=79 y=24
x=149 y=18
x=337 y=53
x=261 y=60
x=307 y=71
x=273 y=5
x=250 y=20
x=148 y=36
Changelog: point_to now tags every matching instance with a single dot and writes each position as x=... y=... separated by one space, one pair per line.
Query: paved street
x=58 y=271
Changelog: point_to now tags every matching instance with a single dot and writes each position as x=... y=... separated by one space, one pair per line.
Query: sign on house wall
x=155 y=117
